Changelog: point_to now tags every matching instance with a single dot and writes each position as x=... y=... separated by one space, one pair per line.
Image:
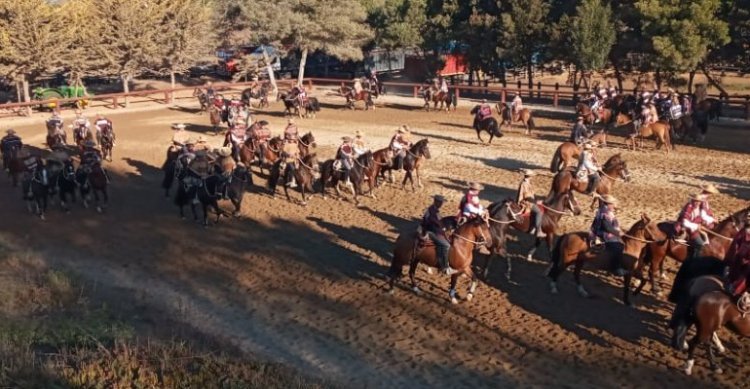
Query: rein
x=706 y=230
x=471 y=241
x=637 y=238
x=556 y=211
x=299 y=140
x=303 y=163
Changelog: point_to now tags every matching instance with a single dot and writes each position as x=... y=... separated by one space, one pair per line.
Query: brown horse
x=382 y=160
x=712 y=107
x=613 y=170
x=712 y=310
x=214 y=115
x=305 y=171
x=524 y=116
x=466 y=239
x=306 y=144
x=364 y=95
x=267 y=153
x=575 y=248
x=584 y=110
x=202 y=98
x=720 y=239
x=444 y=99
x=553 y=209
x=412 y=162
x=567 y=153
x=662 y=133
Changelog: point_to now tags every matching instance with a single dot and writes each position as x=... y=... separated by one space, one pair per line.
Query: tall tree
x=396 y=23
x=78 y=58
x=591 y=35
x=525 y=33
x=682 y=33
x=186 y=34
x=32 y=35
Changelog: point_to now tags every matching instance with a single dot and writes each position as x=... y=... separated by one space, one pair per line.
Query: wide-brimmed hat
x=609 y=199
x=700 y=196
x=346 y=138
x=178 y=126
x=438 y=197
x=709 y=188
x=190 y=141
x=290 y=121
x=224 y=151
x=588 y=146
x=527 y=172
x=580 y=118
x=10 y=131
x=475 y=186
x=359 y=134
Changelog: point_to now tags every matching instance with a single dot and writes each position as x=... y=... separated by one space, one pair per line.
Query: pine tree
x=591 y=35
x=525 y=33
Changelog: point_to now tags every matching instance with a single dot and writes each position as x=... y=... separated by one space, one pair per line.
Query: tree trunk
x=530 y=74
x=18 y=92
x=471 y=77
x=618 y=75
x=172 y=81
x=712 y=81
x=658 y=79
x=271 y=76
x=26 y=94
x=126 y=88
x=302 y=62
x=691 y=78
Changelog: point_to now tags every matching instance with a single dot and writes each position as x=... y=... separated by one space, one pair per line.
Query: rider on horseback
x=607 y=228
x=225 y=166
x=470 y=206
x=527 y=199
x=738 y=261
x=588 y=168
x=55 y=123
x=260 y=134
x=10 y=144
x=484 y=112
x=432 y=228
x=104 y=127
x=443 y=85
x=516 y=105
x=693 y=216
x=291 y=132
x=91 y=159
x=356 y=89
x=359 y=143
x=210 y=91
x=345 y=156
x=400 y=145
x=580 y=133
x=372 y=79
x=237 y=136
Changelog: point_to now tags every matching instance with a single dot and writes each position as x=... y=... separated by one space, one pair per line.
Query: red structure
x=416 y=67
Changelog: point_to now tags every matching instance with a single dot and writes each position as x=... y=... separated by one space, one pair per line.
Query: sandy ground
x=304 y=285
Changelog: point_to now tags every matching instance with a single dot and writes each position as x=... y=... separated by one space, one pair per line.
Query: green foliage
x=396 y=23
x=591 y=35
x=682 y=34
x=525 y=29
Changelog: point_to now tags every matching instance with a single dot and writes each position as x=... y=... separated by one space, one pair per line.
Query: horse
x=305 y=174
x=194 y=189
x=81 y=133
x=267 y=153
x=412 y=162
x=575 y=248
x=661 y=131
x=292 y=106
x=170 y=168
x=553 y=210
x=712 y=310
x=712 y=107
x=330 y=176
x=382 y=159
x=613 y=170
x=584 y=110
x=239 y=184
x=723 y=233
x=306 y=143
x=107 y=141
x=466 y=239
x=365 y=95
x=64 y=184
x=261 y=95
x=35 y=187
x=568 y=152
x=202 y=98
x=13 y=162
x=93 y=180
x=215 y=117
x=445 y=99
x=501 y=216
x=488 y=124
x=523 y=116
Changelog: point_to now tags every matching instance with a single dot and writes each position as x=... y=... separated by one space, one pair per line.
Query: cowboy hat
x=346 y=138
x=290 y=121
x=580 y=118
x=587 y=146
x=190 y=141
x=224 y=151
x=475 y=186
x=401 y=130
x=697 y=196
x=10 y=131
x=359 y=134
x=178 y=126
x=439 y=198
x=527 y=172
x=709 y=188
x=609 y=199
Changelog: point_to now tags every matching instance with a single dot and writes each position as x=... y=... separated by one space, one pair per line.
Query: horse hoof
x=99 y=209
x=554 y=290
x=41 y=217
x=236 y=214
x=391 y=291
x=684 y=346
x=658 y=293
x=663 y=275
x=529 y=258
x=416 y=290
x=582 y=292
x=454 y=300
x=718 y=371
x=469 y=296
x=430 y=271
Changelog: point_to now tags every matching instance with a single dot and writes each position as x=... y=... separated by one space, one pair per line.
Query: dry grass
x=52 y=336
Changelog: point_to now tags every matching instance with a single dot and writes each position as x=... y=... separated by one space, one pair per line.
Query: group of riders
x=369 y=83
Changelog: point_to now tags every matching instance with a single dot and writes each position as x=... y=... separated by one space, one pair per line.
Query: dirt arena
x=304 y=285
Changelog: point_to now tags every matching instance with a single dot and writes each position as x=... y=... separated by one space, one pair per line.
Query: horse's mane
x=419 y=144
x=737 y=216
x=613 y=161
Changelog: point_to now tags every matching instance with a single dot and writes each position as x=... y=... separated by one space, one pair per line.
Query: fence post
x=502 y=96
x=456 y=89
x=747 y=107
x=538 y=89
x=309 y=84
x=115 y=105
x=415 y=92
x=166 y=98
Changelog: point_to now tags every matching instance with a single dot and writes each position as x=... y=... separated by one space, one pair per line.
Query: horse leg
x=452 y=292
x=412 y=270
x=717 y=342
x=419 y=178
x=626 y=288
x=204 y=207
x=530 y=255
x=479 y=135
x=691 y=355
x=711 y=358
x=577 y=275
x=472 y=285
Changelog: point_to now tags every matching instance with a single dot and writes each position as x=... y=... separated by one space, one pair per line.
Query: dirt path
x=303 y=285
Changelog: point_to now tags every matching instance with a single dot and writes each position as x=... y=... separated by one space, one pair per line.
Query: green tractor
x=62 y=92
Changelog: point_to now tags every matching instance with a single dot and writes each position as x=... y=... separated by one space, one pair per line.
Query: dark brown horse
x=267 y=153
x=613 y=170
x=382 y=161
x=305 y=171
x=712 y=310
x=466 y=239
x=331 y=176
x=445 y=100
x=202 y=98
x=412 y=162
x=364 y=96
x=306 y=144
x=567 y=153
x=93 y=182
x=170 y=168
x=554 y=209
x=575 y=248
x=524 y=116
x=720 y=238
x=711 y=106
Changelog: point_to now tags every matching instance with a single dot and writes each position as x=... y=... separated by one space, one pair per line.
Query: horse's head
x=478 y=230
x=616 y=166
x=646 y=230
x=567 y=201
x=422 y=148
x=309 y=140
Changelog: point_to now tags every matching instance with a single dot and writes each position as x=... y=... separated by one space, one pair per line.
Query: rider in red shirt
x=738 y=260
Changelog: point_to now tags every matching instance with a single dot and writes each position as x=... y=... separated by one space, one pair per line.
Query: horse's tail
x=273 y=177
x=531 y=122
x=554 y=166
x=556 y=257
